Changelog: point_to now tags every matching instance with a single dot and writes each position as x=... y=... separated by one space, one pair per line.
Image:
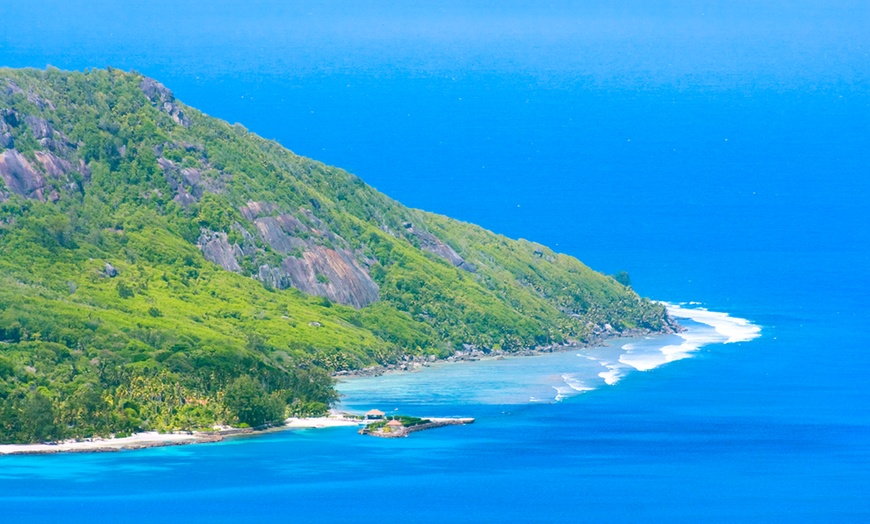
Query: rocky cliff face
x=49 y=171
x=163 y=99
x=326 y=272
x=217 y=249
x=8 y=119
x=431 y=243
x=319 y=262
x=280 y=233
x=315 y=260
x=20 y=176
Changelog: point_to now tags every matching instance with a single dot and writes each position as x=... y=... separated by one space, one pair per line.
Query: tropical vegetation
x=162 y=269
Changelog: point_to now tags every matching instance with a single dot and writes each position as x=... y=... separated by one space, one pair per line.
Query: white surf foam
x=614 y=371
x=644 y=362
x=572 y=386
x=735 y=329
x=562 y=393
x=612 y=375
x=575 y=383
x=725 y=330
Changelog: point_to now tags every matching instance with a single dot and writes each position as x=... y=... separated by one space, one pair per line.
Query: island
x=162 y=270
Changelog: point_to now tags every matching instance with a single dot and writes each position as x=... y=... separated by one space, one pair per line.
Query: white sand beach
x=139 y=440
x=152 y=439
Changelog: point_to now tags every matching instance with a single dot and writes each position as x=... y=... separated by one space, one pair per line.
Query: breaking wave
x=712 y=328
x=552 y=377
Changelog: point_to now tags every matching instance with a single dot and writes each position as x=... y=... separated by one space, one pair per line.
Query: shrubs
x=124 y=291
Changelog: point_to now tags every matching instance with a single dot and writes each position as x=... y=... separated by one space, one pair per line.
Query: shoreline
x=412 y=363
x=148 y=439
x=153 y=439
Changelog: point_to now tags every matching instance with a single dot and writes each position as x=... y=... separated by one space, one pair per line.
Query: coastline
x=153 y=439
x=556 y=374
x=148 y=439
x=470 y=353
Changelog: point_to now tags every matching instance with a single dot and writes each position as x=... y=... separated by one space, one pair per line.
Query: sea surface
x=717 y=151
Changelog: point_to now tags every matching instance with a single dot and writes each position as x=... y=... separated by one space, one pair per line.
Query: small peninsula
x=401 y=426
x=162 y=270
x=377 y=426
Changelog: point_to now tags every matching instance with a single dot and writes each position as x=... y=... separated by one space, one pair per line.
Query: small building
x=375 y=414
x=394 y=424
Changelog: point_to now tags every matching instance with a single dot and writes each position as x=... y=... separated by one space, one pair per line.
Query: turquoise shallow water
x=717 y=152
x=547 y=378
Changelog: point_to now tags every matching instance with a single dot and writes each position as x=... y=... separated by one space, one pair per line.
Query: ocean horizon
x=716 y=152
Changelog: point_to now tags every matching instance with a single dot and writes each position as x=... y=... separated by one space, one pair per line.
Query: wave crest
x=721 y=328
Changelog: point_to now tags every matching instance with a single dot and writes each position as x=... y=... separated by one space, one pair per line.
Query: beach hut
x=375 y=414
x=394 y=425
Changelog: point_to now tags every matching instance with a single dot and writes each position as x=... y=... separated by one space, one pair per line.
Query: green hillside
x=162 y=269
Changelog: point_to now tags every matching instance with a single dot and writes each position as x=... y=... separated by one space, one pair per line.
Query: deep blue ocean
x=717 y=151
